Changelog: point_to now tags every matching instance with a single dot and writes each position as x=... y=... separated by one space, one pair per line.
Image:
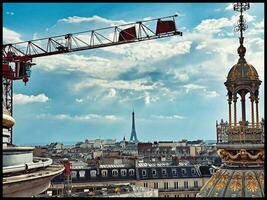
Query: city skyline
x=175 y=84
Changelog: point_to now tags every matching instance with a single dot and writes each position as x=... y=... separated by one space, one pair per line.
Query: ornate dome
x=241 y=182
x=242 y=71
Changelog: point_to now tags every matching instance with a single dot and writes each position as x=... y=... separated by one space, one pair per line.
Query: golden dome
x=242 y=71
x=8 y=120
x=241 y=182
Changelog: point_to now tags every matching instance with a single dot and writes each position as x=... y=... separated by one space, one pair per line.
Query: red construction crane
x=22 y=53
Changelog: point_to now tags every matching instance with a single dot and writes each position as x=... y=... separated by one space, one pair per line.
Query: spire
x=133 y=133
x=241 y=26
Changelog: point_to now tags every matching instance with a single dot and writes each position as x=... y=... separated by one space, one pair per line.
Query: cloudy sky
x=175 y=84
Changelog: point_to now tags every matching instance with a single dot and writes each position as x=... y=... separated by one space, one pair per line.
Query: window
x=82 y=173
x=143 y=172
x=74 y=174
x=183 y=171
x=196 y=184
x=164 y=172
x=176 y=185
x=186 y=184
x=114 y=172
x=193 y=171
x=187 y=195
x=156 y=185
x=166 y=195
x=176 y=195
x=154 y=172
x=145 y=185
x=104 y=173
x=166 y=185
x=93 y=173
x=123 y=172
x=131 y=172
x=174 y=172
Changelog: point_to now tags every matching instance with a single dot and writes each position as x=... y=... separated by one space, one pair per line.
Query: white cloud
x=10 y=36
x=95 y=18
x=87 y=117
x=168 y=117
x=25 y=99
x=147 y=18
x=140 y=56
x=93 y=65
x=79 y=100
x=259 y=25
x=257 y=28
x=229 y=6
x=136 y=85
x=112 y=93
x=192 y=87
x=211 y=26
x=152 y=51
x=10 y=13
x=181 y=75
x=149 y=99
x=212 y=93
x=179 y=14
x=189 y=87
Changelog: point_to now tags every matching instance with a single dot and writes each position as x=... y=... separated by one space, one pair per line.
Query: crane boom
x=22 y=53
x=104 y=37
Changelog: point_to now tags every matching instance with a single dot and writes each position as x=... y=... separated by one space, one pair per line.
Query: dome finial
x=241 y=26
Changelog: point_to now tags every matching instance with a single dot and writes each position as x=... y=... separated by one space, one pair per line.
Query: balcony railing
x=248 y=133
x=179 y=189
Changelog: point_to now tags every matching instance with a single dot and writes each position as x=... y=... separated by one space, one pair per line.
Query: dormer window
x=184 y=171
x=123 y=172
x=131 y=172
x=104 y=173
x=174 y=172
x=74 y=174
x=82 y=173
x=212 y=170
x=143 y=172
x=164 y=172
x=193 y=171
x=154 y=172
x=114 y=172
x=93 y=173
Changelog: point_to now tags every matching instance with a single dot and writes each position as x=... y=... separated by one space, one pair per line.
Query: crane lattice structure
x=22 y=53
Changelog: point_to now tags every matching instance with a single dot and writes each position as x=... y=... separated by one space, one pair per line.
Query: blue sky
x=175 y=84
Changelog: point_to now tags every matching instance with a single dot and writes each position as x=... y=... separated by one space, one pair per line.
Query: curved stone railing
x=37 y=163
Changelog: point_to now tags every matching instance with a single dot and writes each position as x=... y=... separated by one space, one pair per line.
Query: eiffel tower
x=133 y=133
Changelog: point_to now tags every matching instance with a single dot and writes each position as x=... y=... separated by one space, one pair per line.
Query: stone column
x=230 y=112
x=257 y=112
x=243 y=105
x=252 y=98
x=235 y=100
